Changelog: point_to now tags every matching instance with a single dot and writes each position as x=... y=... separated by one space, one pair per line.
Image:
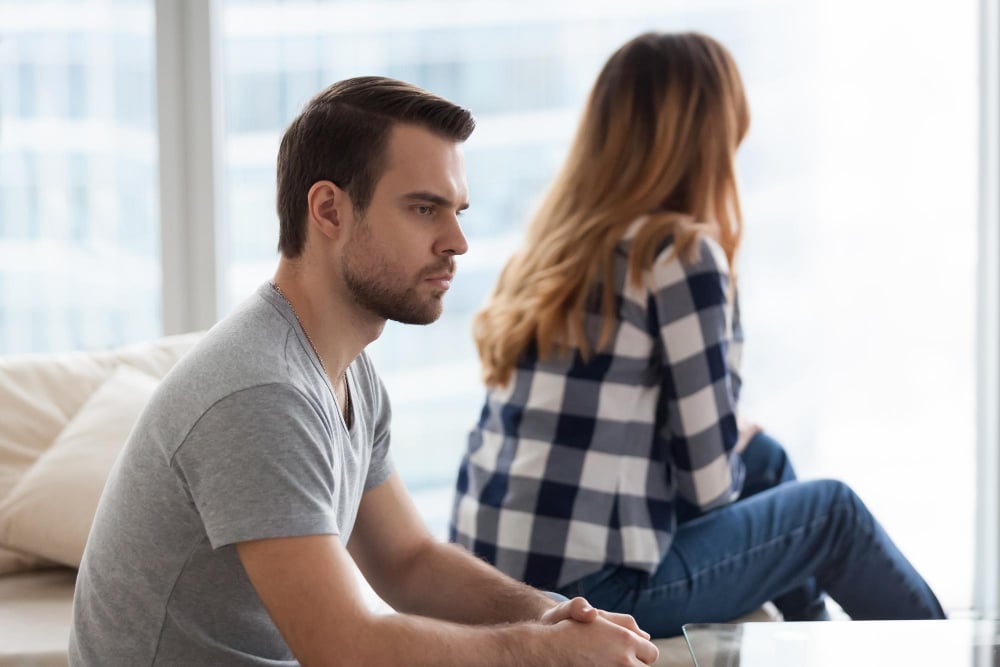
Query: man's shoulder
x=251 y=353
x=254 y=345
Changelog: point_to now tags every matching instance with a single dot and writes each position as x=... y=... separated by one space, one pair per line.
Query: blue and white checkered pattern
x=576 y=464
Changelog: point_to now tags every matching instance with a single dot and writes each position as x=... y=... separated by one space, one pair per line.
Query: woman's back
x=576 y=461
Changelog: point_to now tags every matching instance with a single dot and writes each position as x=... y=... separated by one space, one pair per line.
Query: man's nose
x=453 y=241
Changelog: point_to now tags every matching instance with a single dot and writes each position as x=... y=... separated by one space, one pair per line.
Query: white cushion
x=40 y=393
x=50 y=510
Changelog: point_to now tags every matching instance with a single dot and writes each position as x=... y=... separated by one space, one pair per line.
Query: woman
x=609 y=461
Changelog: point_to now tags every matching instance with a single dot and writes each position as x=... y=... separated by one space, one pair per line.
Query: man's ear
x=329 y=208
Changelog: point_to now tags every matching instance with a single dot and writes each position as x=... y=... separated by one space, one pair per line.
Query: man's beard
x=375 y=287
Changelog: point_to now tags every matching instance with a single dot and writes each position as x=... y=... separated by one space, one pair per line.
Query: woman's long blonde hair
x=658 y=138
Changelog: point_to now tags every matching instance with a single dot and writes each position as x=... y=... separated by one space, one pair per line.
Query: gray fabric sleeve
x=259 y=464
x=381 y=467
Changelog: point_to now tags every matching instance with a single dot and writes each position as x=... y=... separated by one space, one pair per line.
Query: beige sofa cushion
x=40 y=393
x=50 y=510
x=15 y=561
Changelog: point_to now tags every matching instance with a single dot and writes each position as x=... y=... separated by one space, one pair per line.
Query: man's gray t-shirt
x=243 y=440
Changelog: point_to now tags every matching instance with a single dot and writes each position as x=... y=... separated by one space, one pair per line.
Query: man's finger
x=647 y=652
x=580 y=610
x=577 y=609
x=626 y=621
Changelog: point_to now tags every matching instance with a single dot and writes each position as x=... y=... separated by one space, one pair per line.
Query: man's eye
x=424 y=210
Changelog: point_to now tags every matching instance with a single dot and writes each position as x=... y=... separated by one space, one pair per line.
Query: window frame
x=190 y=131
x=986 y=587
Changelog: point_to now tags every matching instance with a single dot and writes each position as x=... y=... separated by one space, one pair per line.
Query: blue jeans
x=784 y=541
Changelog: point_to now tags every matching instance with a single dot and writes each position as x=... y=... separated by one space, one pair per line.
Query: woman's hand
x=748 y=430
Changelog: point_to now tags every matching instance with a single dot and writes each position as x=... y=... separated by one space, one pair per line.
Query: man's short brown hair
x=342 y=136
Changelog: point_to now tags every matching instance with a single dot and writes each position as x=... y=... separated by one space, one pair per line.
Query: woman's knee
x=837 y=490
x=767 y=463
x=844 y=501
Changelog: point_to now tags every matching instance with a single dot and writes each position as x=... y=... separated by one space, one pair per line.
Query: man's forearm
x=444 y=581
x=399 y=639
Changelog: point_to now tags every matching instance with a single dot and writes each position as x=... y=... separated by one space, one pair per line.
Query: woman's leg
x=728 y=562
x=767 y=465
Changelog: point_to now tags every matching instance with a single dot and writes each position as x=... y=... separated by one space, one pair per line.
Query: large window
x=79 y=233
x=859 y=189
x=858 y=178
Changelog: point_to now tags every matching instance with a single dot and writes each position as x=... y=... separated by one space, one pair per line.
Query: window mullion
x=190 y=138
x=987 y=571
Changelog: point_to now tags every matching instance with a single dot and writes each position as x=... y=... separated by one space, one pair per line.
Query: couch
x=63 y=419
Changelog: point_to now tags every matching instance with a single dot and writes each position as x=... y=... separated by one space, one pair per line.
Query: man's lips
x=441 y=280
x=441 y=275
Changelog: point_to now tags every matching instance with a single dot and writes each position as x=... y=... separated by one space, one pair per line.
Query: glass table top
x=950 y=643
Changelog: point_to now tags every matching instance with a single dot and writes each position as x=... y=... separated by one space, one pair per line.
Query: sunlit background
x=859 y=191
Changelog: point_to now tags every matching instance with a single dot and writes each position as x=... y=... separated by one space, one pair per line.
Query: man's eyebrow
x=423 y=195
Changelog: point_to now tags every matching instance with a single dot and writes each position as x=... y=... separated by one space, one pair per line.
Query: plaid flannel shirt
x=576 y=464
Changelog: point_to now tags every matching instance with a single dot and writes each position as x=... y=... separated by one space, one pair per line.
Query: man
x=261 y=466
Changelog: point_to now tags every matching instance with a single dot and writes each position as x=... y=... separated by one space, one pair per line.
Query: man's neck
x=336 y=326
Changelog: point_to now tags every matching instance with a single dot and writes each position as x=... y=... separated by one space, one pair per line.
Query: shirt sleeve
x=699 y=390
x=259 y=464
x=735 y=357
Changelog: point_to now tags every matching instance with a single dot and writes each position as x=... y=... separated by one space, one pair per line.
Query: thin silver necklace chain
x=343 y=376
